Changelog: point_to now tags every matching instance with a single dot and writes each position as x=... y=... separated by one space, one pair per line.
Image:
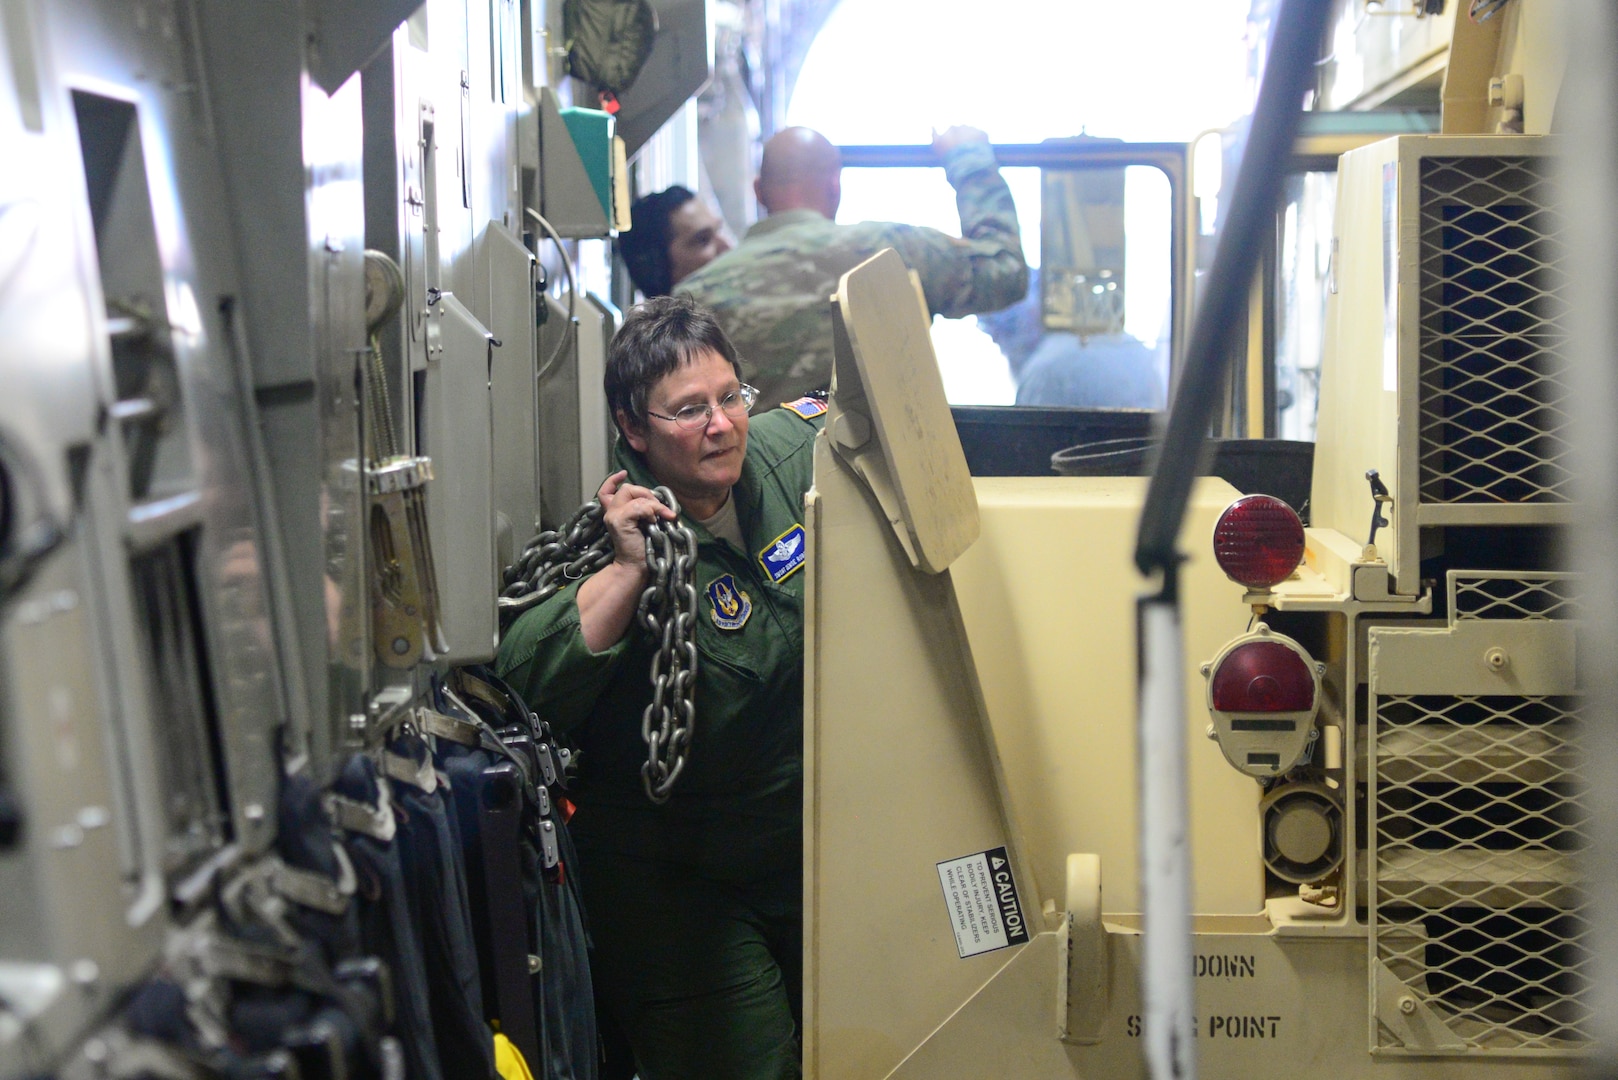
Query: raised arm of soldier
x=770 y=292
x=993 y=274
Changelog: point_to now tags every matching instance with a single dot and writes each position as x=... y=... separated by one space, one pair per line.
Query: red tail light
x=1263 y=696
x=1263 y=677
x=1258 y=541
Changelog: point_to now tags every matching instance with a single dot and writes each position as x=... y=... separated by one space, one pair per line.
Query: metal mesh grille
x=1492 y=381
x=1476 y=821
x=1513 y=596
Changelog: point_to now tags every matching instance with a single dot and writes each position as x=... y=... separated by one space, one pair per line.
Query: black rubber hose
x=1287 y=74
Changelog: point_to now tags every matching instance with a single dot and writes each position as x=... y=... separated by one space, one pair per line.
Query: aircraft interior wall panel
x=447 y=64
x=109 y=719
x=344 y=34
x=253 y=198
x=71 y=892
x=334 y=237
x=597 y=322
x=253 y=54
x=53 y=384
x=163 y=251
x=155 y=607
x=68 y=889
x=495 y=94
x=484 y=137
x=258 y=141
x=509 y=276
x=393 y=215
x=457 y=432
x=561 y=487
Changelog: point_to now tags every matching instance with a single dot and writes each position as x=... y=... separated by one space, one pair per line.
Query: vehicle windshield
x=1096 y=329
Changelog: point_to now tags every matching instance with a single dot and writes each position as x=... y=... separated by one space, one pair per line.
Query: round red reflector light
x=1263 y=677
x=1258 y=541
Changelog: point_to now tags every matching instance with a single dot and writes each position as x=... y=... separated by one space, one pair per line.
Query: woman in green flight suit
x=695 y=905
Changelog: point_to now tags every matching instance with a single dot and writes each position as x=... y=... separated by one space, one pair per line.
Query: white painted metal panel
x=456 y=429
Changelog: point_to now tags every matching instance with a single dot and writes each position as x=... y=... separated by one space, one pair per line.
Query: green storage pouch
x=608 y=41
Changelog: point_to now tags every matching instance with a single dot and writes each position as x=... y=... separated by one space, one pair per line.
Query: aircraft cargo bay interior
x=752 y=539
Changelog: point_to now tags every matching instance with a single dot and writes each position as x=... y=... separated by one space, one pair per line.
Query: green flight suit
x=772 y=292
x=695 y=907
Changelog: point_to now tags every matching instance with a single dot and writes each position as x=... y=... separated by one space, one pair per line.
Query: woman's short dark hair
x=645 y=247
x=658 y=337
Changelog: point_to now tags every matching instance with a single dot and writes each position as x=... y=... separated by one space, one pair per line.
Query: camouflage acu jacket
x=771 y=293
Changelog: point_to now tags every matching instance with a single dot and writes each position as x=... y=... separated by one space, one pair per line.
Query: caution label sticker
x=984 y=909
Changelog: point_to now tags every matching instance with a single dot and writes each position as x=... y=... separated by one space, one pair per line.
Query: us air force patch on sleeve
x=785 y=554
x=728 y=605
x=806 y=407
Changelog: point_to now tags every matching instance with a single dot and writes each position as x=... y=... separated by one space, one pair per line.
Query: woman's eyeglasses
x=737 y=403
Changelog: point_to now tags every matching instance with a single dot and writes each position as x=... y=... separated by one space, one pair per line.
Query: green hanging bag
x=608 y=41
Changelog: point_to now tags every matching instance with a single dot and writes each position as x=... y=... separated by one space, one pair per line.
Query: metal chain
x=667 y=611
x=553 y=559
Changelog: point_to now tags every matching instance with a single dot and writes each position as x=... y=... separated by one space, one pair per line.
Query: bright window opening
x=1037 y=69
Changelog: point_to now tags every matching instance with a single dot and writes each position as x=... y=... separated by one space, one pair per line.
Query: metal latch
x=1379 y=498
x=547 y=843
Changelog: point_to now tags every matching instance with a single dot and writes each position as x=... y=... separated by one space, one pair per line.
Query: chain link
x=667 y=611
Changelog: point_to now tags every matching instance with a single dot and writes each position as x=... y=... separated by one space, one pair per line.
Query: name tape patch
x=984 y=910
x=784 y=555
x=806 y=407
x=728 y=605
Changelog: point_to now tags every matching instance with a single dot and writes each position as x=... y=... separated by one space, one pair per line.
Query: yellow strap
x=508 y=1060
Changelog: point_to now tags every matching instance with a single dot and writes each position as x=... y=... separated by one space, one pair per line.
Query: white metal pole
x=1167 y=997
x=1585 y=110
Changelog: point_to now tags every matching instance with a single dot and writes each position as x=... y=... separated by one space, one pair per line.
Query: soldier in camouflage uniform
x=772 y=292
